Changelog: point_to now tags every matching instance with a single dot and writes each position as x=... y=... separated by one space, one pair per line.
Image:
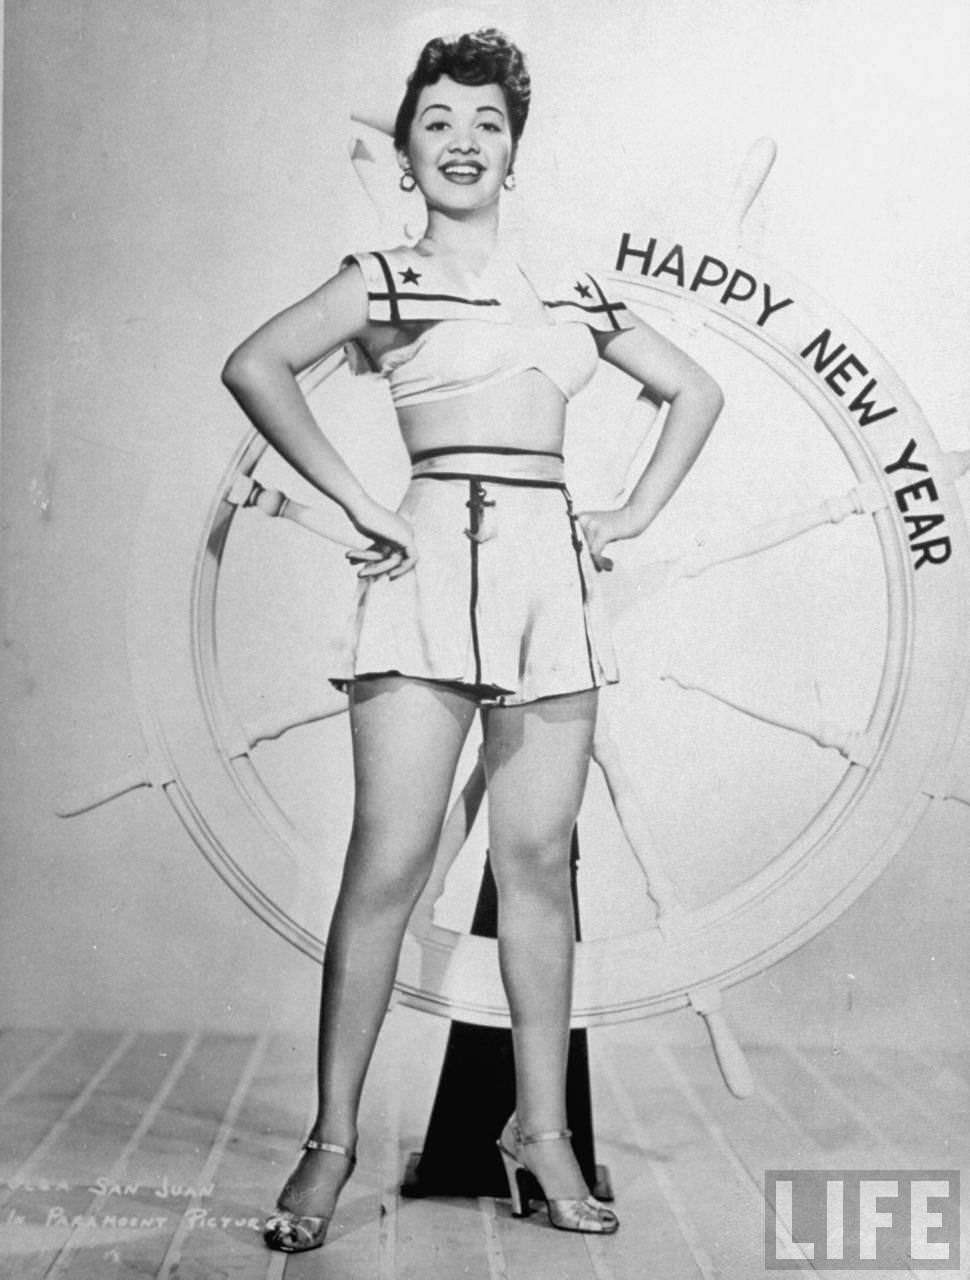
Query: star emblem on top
x=410 y=276
x=582 y=289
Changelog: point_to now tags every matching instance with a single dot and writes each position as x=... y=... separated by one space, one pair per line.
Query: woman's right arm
x=261 y=374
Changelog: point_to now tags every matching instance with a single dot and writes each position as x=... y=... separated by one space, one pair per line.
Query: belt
x=491 y=462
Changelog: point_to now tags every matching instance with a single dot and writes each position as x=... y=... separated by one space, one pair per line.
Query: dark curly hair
x=478 y=57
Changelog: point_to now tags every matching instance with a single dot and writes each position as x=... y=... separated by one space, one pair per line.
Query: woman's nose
x=464 y=142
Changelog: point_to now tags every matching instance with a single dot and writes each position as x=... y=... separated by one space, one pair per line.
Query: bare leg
x=407 y=736
x=537 y=758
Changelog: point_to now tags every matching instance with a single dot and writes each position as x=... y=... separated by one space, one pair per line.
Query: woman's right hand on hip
x=392 y=550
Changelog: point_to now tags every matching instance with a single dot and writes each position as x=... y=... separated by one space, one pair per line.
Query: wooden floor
x=147 y=1154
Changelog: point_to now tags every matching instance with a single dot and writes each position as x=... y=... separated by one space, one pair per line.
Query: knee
x=537 y=863
x=378 y=890
x=386 y=873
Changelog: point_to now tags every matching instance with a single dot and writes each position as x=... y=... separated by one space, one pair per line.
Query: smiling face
x=459 y=146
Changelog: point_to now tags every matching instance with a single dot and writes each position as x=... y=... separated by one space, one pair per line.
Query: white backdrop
x=174 y=173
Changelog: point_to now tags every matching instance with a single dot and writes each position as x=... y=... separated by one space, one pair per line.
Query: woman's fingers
x=361 y=555
x=389 y=559
x=392 y=550
x=596 y=554
x=383 y=558
x=596 y=539
x=407 y=563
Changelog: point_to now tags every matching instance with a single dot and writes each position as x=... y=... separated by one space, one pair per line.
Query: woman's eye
x=438 y=124
x=490 y=126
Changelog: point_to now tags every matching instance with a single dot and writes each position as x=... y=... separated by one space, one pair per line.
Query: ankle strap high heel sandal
x=567 y=1214
x=290 y=1232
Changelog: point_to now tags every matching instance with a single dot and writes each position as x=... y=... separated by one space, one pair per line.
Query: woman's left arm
x=667 y=374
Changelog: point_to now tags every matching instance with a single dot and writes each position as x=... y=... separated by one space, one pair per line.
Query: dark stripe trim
x=395 y=295
x=480 y=448
x=607 y=309
x=473 y=588
x=607 y=305
x=391 y=296
x=465 y=475
x=582 y=306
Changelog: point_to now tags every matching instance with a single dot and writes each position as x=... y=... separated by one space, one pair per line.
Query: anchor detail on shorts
x=578 y=545
x=483 y=526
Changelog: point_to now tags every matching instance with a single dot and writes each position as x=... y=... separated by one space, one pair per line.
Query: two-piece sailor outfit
x=502 y=600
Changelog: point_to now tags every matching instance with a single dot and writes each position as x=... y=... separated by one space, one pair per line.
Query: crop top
x=469 y=333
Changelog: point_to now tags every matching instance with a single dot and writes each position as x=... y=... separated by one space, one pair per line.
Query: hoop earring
x=408 y=181
x=509 y=181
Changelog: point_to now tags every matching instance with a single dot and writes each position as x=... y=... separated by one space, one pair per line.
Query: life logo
x=862 y=1219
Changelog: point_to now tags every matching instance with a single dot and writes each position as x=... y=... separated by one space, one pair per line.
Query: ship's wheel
x=751 y=782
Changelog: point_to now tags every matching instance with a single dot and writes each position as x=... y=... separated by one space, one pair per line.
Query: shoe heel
x=521 y=1204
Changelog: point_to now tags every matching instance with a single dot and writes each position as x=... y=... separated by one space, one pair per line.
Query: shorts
x=502 y=600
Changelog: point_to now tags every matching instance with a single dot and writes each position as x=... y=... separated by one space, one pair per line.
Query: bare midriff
x=526 y=411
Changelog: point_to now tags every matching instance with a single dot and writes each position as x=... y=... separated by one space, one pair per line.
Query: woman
x=479 y=592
